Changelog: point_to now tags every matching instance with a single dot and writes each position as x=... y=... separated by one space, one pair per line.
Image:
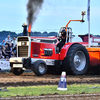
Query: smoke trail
x=33 y=8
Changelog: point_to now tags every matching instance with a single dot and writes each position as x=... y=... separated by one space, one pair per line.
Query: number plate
x=18 y=65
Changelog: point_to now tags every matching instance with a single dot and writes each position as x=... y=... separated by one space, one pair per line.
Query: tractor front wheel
x=17 y=71
x=40 y=68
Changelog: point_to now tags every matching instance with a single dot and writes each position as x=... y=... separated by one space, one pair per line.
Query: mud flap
x=27 y=62
x=58 y=64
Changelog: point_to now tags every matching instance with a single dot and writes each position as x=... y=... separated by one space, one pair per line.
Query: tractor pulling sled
x=40 y=53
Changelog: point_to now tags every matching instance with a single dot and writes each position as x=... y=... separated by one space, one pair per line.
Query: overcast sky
x=53 y=15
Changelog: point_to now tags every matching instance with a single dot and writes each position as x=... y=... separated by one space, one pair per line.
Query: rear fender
x=65 y=49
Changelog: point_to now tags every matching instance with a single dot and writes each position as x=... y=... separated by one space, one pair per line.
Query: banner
x=5 y=65
x=88 y=11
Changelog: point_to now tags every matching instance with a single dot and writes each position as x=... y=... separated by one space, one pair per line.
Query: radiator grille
x=22 y=51
x=23 y=39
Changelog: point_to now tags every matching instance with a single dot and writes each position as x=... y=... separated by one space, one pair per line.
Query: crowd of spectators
x=8 y=48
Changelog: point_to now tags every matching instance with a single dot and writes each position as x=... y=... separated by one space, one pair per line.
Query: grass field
x=43 y=90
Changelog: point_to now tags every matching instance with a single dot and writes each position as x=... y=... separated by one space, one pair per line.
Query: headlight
x=19 y=43
x=23 y=43
x=27 y=43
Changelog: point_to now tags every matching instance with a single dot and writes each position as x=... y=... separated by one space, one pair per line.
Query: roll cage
x=69 y=32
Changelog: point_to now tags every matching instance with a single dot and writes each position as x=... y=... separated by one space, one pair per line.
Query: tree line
x=4 y=34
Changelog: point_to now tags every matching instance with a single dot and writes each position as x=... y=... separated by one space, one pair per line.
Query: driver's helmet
x=63 y=32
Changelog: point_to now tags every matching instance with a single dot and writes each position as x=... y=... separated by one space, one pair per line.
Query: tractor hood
x=52 y=40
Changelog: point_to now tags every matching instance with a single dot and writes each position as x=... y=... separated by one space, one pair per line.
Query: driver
x=62 y=40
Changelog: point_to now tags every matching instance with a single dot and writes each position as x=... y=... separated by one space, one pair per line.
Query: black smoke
x=33 y=7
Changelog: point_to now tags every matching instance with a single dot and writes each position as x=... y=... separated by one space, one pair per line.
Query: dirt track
x=57 y=97
x=29 y=79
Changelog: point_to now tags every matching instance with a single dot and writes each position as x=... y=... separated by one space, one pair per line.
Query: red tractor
x=40 y=53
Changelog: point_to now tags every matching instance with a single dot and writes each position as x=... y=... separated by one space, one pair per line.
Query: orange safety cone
x=62 y=83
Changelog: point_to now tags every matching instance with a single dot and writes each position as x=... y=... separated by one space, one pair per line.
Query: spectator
x=7 y=50
x=14 y=41
x=3 y=43
x=7 y=58
x=8 y=39
x=14 y=51
x=1 y=56
x=7 y=45
x=11 y=46
x=4 y=52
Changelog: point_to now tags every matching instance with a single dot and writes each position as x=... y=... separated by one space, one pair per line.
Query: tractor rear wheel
x=77 y=60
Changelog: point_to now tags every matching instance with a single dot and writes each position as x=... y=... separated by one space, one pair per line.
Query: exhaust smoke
x=33 y=8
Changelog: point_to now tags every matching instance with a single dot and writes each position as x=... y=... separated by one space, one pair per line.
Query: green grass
x=39 y=90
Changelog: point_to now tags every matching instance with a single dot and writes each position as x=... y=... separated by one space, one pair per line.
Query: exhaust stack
x=29 y=30
x=24 y=29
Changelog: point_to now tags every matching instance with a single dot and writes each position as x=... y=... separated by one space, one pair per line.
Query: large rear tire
x=40 y=68
x=17 y=71
x=77 y=60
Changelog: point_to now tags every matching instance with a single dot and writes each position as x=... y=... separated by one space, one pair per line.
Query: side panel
x=94 y=54
x=37 y=50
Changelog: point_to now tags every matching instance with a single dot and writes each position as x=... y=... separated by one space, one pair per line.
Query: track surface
x=30 y=79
